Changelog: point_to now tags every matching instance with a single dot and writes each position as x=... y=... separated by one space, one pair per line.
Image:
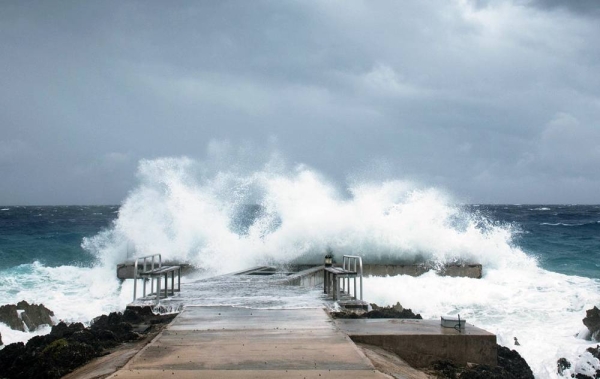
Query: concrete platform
x=227 y=342
x=421 y=342
x=230 y=329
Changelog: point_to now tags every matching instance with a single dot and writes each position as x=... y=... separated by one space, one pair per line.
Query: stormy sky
x=491 y=101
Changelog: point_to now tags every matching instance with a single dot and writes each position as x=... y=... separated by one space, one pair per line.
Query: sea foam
x=541 y=308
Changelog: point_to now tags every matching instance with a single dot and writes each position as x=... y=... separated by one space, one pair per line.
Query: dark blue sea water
x=564 y=238
x=50 y=235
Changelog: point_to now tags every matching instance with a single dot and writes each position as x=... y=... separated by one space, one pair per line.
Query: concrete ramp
x=228 y=342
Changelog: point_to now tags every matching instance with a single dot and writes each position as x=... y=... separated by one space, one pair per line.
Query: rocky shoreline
x=592 y=323
x=68 y=347
x=510 y=366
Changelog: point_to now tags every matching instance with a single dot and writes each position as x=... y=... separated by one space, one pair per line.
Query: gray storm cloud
x=492 y=101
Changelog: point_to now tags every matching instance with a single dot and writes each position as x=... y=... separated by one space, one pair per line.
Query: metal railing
x=352 y=263
x=152 y=270
x=149 y=263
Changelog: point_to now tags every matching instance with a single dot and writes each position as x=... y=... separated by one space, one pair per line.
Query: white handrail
x=351 y=261
x=144 y=259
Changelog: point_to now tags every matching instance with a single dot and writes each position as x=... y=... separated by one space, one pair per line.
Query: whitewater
x=194 y=212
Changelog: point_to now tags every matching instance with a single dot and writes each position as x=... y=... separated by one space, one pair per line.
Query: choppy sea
x=541 y=262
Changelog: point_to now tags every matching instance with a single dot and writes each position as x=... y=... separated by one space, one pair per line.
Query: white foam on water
x=11 y=336
x=541 y=308
x=74 y=294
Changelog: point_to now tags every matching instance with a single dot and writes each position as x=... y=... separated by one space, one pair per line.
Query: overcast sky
x=492 y=101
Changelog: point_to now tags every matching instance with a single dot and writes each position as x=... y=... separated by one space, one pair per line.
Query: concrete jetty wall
x=455 y=270
x=312 y=274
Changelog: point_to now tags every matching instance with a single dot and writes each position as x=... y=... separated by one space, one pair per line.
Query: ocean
x=541 y=262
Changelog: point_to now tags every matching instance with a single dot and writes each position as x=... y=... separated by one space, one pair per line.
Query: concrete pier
x=228 y=342
x=248 y=325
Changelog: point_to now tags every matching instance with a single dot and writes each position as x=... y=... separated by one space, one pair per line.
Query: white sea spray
x=541 y=308
x=186 y=213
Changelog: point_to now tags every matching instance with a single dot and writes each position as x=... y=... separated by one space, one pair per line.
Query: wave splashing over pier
x=225 y=219
x=225 y=214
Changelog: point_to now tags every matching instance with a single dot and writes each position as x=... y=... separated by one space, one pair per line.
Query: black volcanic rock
x=10 y=316
x=395 y=311
x=32 y=316
x=136 y=314
x=513 y=363
x=1 y=340
x=13 y=360
x=592 y=321
x=35 y=315
x=62 y=330
x=595 y=351
x=584 y=376
x=69 y=346
x=392 y=313
x=510 y=366
x=562 y=364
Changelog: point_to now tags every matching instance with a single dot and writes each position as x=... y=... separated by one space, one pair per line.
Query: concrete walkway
x=228 y=342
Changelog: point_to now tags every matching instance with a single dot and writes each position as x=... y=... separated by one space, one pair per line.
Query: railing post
x=354 y=263
x=135 y=279
x=360 y=262
x=158 y=291
x=152 y=278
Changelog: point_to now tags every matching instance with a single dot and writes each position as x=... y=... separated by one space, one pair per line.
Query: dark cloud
x=581 y=7
x=471 y=96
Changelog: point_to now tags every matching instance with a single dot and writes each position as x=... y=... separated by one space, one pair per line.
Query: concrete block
x=422 y=351
x=422 y=342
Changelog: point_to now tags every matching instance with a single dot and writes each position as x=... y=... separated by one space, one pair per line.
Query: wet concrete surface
x=266 y=292
x=244 y=326
x=228 y=342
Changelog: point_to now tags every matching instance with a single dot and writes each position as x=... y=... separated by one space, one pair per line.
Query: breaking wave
x=223 y=220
